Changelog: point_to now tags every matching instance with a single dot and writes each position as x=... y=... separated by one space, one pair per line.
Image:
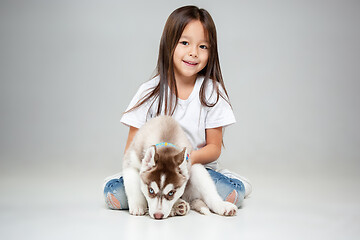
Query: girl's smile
x=189 y=63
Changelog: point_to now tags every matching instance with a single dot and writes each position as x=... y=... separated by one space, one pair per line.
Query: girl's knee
x=236 y=193
x=235 y=197
x=230 y=189
x=112 y=202
x=114 y=193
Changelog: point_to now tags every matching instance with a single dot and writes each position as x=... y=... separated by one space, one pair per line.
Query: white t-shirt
x=193 y=117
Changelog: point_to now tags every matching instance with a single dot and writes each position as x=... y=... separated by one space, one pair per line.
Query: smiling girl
x=189 y=87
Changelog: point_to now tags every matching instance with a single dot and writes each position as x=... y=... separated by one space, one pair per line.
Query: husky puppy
x=157 y=172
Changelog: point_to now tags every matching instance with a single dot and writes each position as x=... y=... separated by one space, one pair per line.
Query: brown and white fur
x=156 y=177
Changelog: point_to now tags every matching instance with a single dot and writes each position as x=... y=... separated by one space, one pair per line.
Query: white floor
x=67 y=204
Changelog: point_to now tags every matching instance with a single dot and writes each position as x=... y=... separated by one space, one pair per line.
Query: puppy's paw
x=137 y=211
x=180 y=208
x=137 y=208
x=225 y=209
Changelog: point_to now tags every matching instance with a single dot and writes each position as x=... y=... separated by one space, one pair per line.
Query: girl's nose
x=193 y=53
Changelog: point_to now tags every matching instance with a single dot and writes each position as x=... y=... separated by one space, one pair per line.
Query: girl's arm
x=212 y=149
x=132 y=132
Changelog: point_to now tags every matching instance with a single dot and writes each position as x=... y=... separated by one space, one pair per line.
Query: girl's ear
x=149 y=160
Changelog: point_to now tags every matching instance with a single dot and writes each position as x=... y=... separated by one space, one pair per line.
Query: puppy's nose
x=158 y=215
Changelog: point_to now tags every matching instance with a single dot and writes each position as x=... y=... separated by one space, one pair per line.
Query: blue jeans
x=229 y=189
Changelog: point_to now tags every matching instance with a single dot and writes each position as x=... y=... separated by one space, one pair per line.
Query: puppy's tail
x=199 y=206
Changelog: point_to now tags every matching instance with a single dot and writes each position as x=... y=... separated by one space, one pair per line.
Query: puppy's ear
x=150 y=159
x=182 y=160
x=181 y=157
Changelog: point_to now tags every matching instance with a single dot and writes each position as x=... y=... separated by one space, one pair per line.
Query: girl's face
x=192 y=51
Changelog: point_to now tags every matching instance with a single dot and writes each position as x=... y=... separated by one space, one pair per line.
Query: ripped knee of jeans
x=112 y=202
x=235 y=198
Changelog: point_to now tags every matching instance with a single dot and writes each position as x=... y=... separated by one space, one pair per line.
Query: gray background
x=69 y=68
x=292 y=68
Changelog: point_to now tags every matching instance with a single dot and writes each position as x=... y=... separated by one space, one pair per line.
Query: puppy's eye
x=171 y=193
x=151 y=191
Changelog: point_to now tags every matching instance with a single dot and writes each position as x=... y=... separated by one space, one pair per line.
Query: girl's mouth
x=191 y=64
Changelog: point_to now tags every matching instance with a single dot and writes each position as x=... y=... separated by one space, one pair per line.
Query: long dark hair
x=173 y=29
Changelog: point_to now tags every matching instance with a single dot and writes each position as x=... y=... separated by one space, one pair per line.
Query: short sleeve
x=137 y=117
x=220 y=115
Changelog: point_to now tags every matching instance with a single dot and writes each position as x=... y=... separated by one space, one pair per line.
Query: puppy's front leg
x=136 y=200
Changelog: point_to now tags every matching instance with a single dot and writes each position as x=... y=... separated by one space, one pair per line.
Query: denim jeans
x=229 y=189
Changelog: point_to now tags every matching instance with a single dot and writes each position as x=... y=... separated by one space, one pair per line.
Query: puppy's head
x=164 y=174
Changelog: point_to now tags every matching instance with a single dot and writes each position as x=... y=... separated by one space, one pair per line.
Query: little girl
x=188 y=86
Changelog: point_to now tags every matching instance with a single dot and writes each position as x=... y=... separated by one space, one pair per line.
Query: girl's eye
x=203 y=47
x=184 y=43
